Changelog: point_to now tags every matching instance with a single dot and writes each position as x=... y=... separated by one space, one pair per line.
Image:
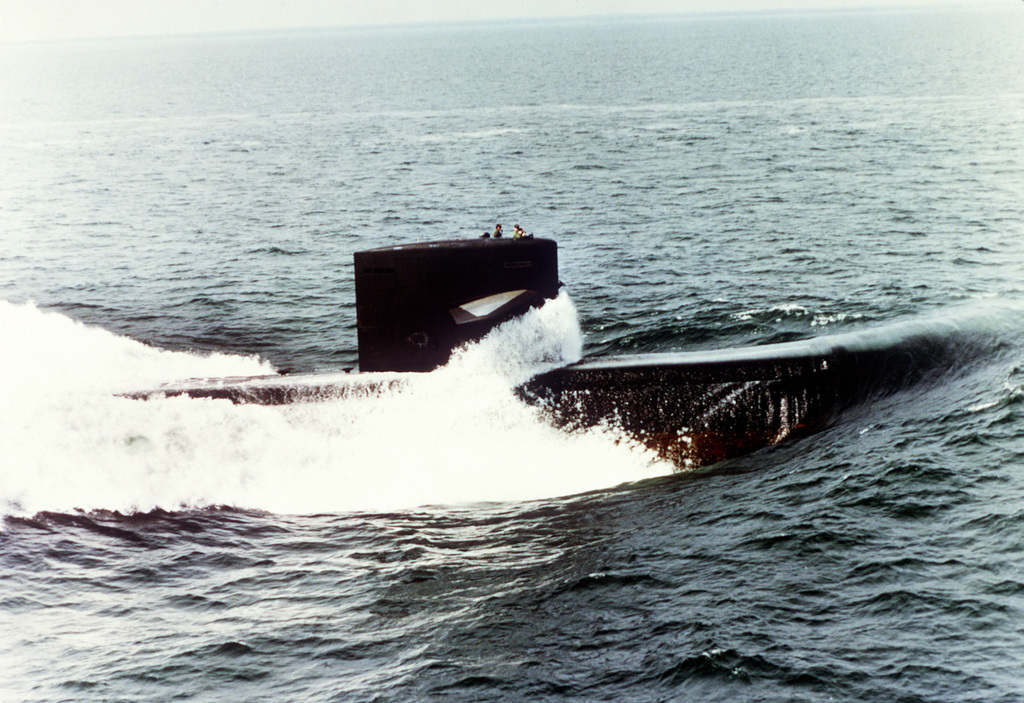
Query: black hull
x=695 y=408
x=699 y=408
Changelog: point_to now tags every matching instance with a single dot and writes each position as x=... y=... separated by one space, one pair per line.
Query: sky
x=30 y=20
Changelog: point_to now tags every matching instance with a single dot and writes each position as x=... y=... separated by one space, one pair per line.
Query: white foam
x=45 y=352
x=456 y=436
x=784 y=310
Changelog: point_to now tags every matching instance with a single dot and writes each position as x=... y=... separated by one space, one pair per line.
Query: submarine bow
x=698 y=408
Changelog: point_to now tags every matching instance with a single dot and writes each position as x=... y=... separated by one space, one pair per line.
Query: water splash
x=455 y=436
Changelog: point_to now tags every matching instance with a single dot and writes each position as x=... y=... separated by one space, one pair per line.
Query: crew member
x=497 y=231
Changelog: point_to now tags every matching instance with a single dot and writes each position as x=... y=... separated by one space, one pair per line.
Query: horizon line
x=159 y=33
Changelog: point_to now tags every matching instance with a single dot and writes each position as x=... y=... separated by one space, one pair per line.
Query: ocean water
x=187 y=207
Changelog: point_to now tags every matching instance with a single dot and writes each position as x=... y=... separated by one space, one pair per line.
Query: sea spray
x=68 y=442
x=45 y=353
x=455 y=436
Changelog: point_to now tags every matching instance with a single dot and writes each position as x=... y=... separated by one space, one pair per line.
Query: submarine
x=417 y=303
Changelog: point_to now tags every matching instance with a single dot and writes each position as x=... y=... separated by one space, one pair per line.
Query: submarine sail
x=416 y=303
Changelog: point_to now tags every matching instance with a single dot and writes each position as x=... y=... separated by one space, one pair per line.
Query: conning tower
x=416 y=303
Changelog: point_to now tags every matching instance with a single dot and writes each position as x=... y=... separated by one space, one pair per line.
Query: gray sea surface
x=184 y=207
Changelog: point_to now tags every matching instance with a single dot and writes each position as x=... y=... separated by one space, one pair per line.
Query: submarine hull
x=416 y=303
x=698 y=408
x=694 y=408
